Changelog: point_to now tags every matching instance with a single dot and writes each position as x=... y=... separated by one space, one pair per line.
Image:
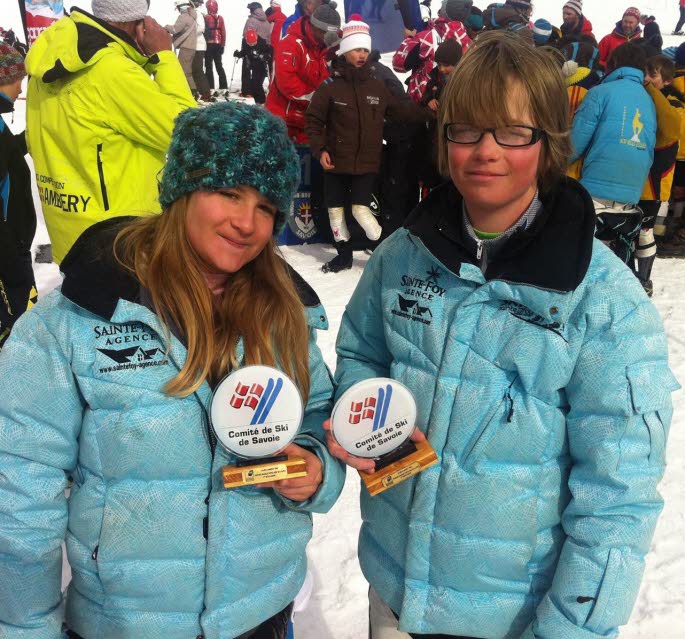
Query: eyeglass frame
x=537 y=135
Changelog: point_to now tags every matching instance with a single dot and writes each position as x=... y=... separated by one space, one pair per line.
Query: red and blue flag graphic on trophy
x=375 y=408
x=256 y=397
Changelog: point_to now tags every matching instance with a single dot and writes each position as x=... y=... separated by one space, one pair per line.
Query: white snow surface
x=338 y=605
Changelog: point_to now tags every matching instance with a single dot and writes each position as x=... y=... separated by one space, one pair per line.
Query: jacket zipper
x=103 y=186
x=479 y=249
x=212 y=448
x=510 y=400
x=212 y=436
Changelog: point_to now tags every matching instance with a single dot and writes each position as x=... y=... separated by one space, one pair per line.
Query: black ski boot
x=342 y=261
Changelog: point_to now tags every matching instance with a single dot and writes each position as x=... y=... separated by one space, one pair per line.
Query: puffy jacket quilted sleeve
x=362 y=350
x=40 y=421
x=620 y=410
x=295 y=74
x=318 y=409
x=585 y=123
x=316 y=120
x=146 y=112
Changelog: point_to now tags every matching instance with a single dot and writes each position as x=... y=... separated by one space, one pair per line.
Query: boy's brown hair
x=662 y=65
x=497 y=63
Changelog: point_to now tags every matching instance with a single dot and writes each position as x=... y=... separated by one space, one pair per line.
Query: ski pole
x=230 y=86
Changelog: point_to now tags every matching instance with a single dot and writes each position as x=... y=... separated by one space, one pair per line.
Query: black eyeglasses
x=514 y=135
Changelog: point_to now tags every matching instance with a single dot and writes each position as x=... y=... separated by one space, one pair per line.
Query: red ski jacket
x=299 y=68
x=584 y=26
x=278 y=18
x=615 y=39
x=215 y=31
x=417 y=54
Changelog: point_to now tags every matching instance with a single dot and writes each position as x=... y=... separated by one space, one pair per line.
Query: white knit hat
x=275 y=3
x=120 y=10
x=575 y=5
x=355 y=35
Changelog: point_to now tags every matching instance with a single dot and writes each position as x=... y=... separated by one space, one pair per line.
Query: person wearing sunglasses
x=540 y=371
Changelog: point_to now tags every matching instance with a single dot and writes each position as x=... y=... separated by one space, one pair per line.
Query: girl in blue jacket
x=109 y=380
x=541 y=377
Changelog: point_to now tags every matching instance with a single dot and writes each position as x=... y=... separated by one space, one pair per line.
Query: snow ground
x=338 y=609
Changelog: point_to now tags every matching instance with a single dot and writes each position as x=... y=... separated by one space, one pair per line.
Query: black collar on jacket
x=576 y=30
x=341 y=68
x=95 y=281
x=6 y=105
x=553 y=253
x=89 y=41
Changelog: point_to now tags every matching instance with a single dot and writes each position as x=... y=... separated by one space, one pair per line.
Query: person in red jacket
x=627 y=29
x=215 y=34
x=277 y=17
x=575 y=22
x=417 y=52
x=300 y=67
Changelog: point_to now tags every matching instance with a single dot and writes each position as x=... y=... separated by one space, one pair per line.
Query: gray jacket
x=184 y=30
x=260 y=24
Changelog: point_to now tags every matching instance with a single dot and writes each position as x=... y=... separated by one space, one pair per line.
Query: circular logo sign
x=374 y=417
x=256 y=411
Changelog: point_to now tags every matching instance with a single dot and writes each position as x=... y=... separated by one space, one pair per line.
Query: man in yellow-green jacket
x=102 y=98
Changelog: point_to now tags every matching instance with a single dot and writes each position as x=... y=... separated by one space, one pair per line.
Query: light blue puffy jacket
x=157 y=546
x=544 y=388
x=614 y=131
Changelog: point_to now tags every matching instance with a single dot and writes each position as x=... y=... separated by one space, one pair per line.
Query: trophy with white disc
x=375 y=419
x=256 y=412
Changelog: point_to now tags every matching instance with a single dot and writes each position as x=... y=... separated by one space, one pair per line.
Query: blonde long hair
x=260 y=304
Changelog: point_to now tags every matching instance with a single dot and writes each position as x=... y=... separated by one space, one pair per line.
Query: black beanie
x=457 y=9
x=449 y=52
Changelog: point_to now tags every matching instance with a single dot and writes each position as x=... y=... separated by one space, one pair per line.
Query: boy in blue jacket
x=614 y=132
x=541 y=379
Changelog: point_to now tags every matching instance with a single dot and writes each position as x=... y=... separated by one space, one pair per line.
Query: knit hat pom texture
x=632 y=11
x=226 y=145
x=575 y=5
x=326 y=17
x=355 y=35
x=542 y=30
x=11 y=65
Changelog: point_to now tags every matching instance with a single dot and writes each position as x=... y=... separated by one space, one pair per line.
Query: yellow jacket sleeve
x=140 y=109
x=667 y=117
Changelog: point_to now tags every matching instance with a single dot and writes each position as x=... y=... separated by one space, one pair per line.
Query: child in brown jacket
x=344 y=124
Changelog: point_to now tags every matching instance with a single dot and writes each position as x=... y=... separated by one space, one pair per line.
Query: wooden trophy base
x=420 y=455
x=264 y=470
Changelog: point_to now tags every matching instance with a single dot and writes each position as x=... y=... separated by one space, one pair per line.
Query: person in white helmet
x=184 y=33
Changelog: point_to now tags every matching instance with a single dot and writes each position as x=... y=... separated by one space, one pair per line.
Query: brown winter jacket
x=346 y=116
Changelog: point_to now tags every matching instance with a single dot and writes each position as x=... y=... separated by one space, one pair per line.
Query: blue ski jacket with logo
x=614 y=132
x=543 y=385
x=157 y=547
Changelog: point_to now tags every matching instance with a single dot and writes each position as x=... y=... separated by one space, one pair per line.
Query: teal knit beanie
x=230 y=144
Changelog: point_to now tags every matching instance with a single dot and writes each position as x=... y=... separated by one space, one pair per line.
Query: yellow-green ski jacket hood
x=99 y=120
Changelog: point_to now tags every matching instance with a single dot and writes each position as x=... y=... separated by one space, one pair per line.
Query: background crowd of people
x=379 y=159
